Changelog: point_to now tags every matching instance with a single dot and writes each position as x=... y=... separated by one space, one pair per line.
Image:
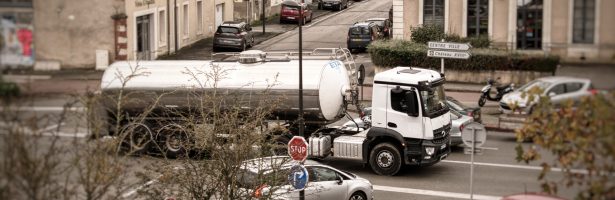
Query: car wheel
x=482 y=100
x=385 y=159
x=358 y=196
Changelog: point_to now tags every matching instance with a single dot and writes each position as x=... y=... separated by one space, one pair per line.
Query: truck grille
x=441 y=135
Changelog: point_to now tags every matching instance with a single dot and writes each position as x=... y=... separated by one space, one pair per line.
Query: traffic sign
x=298 y=176
x=448 y=54
x=474 y=132
x=449 y=46
x=297 y=148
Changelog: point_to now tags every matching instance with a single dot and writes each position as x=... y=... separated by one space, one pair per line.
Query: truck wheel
x=385 y=159
x=280 y=147
x=173 y=140
x=137 y=137
x=482 y=100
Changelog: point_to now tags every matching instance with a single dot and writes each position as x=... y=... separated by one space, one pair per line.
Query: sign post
x=450 y=50
x=298 y=177
x=473 y=136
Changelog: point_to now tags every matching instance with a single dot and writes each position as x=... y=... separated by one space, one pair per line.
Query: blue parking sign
x=298 y=176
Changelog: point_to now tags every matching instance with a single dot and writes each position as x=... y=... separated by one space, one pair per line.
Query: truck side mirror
x=413 y=109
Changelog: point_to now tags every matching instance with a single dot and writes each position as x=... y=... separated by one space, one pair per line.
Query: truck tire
x=280 y=147
x=173 y=140
x=136 y=138
x=385 y=159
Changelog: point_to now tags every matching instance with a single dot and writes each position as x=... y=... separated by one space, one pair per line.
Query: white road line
x=433 y=193
x=578 y=171
x=43 y=108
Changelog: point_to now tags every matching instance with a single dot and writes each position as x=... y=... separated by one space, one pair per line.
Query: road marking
x=44 y=109
x=578 y=171
x=433 y=193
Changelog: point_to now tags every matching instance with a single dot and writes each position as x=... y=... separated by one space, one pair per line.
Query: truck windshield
x=434 y=100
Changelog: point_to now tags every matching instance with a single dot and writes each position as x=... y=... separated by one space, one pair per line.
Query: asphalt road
x=496 y=171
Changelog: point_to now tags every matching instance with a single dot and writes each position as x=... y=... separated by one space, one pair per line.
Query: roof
x=404 y=75
x=559 y=79
x=362 y=24
x=376 y=19
x=269 y=163
x=232 y=24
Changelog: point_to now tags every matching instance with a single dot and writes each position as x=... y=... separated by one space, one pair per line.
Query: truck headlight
x=430 y=150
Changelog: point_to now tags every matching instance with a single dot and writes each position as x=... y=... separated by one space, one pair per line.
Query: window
x=573 y=87
x=162 y=27
x=199 y=16
x=433 y=13
x=185 y=20
x=557 y=89
x=583 y=21
x=478 y=17
x=398 y=100
x=529 y=24
x=319 y=174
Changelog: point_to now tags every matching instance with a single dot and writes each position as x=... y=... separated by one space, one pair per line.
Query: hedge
x=394 y=53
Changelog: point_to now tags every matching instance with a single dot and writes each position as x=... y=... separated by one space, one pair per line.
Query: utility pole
x=263 y=18
x=301 y=122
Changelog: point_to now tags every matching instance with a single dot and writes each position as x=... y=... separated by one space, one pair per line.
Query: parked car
x=289 y=12
x=267 y=177
x=559 y=88
x=458 y=122
x=236 y=35
x=333 y=4
x=385 y=26
x=463 y=109
x=361 y=34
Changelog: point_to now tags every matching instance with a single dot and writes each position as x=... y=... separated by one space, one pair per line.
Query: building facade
x=572 y=29
x=81 y=33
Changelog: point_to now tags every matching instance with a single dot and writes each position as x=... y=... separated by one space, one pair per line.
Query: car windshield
x=224 y=29
x=535 y=83
x=434 y=100
x=456 y=105
x=359 y=30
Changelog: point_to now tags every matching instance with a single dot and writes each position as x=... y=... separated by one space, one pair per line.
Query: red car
x=290 y=12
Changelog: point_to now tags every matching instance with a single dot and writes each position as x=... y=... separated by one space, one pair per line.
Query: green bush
x=8 y=89
x=394 y=53
x=427 y=33
x=424 y=34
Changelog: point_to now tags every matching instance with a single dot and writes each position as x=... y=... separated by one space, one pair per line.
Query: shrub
x=424 y=34
x=8 y=89
x=405 y=53
x=427 y=33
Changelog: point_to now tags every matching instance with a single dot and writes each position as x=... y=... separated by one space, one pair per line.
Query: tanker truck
x=409 y=123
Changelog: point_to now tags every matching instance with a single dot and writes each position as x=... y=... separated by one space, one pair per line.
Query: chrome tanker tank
x=174 y=85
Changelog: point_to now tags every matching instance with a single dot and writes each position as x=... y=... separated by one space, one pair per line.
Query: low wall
x=480 y=77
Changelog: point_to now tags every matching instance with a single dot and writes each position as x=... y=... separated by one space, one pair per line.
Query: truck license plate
x=291 y=17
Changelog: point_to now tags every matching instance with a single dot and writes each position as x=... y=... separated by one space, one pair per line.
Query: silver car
x=559 y=88
x=324 y=182
x=458 y=121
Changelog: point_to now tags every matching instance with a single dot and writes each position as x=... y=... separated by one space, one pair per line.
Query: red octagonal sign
x=297 y=148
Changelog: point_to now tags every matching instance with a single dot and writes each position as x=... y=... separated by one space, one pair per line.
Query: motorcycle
x=501 y=91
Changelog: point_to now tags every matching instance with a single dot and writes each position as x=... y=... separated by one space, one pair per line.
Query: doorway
x=144 y=37
x=219 y=15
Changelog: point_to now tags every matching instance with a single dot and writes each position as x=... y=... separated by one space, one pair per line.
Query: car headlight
x=430 y=150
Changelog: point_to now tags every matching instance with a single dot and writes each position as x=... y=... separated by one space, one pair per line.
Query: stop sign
x=297 y=148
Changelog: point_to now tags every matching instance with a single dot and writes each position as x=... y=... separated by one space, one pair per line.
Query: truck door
x=397 y=113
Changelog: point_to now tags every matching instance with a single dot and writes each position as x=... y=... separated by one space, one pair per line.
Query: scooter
x=502 y=90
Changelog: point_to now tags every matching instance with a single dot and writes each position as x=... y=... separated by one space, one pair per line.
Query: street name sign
x=297 y=148
x=449 y=46
x=298 y=177
x=448 y=54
